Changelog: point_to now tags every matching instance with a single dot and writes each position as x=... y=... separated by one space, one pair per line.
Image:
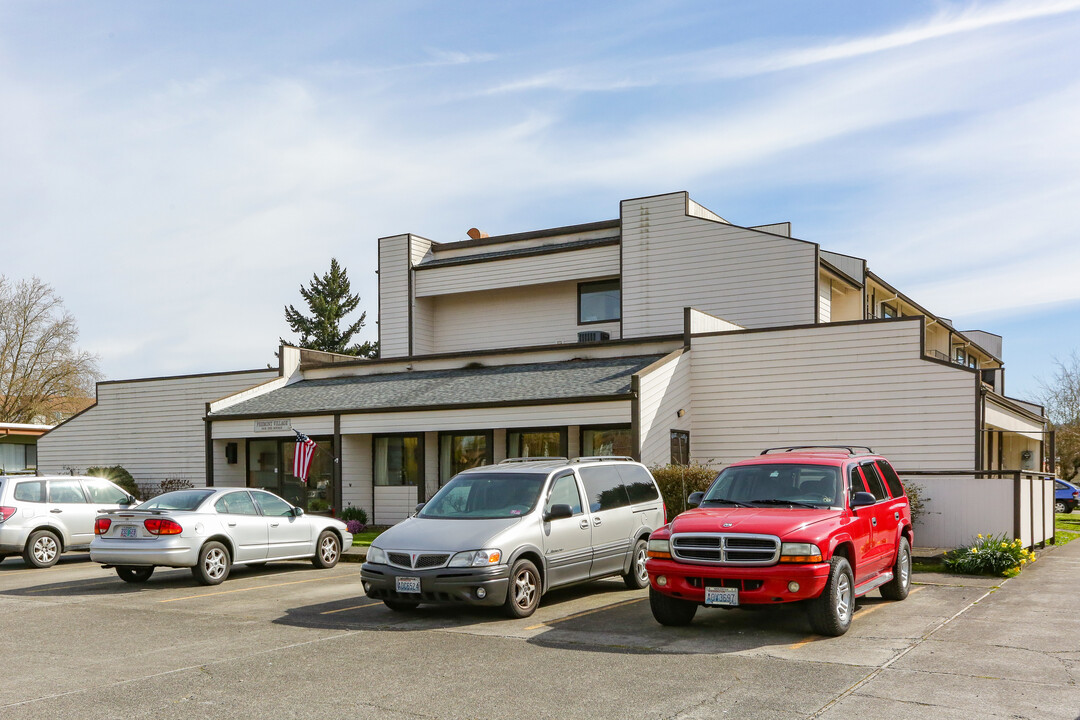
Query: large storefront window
x=399 y=460
x=270 y=465
x=536 y=442
x=614 y=440
x=463 y=450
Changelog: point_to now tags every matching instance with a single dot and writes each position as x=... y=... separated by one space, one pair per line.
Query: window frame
x=284 y=470
x=422 y=465
x=671 y=437
x=607 y=426
x=488 y=434
x=577 y=486
x=582 y=288
x=564 y=441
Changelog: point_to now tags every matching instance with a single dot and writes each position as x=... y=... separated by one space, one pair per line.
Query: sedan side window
x=237 y=503
x=564 y=491
x=66 y=491
x=272 y=504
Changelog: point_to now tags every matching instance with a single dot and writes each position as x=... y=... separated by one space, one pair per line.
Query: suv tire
x=671 y=611
x=523 y=593
x=638 y=577
x=830 y=613
x=900 y=585
x=42 y=549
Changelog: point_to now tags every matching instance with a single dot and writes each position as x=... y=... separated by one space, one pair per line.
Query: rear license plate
x=408 y=585
x=721 y=596
x=129 y=531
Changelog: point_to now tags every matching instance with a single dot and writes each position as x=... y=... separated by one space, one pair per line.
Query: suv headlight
x=376 y=555
x=800 y=553
x=475 y=558
x=660 y=549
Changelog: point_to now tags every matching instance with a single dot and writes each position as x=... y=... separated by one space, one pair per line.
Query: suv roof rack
x=849 y=448
x=508 y=461
x=603 y=458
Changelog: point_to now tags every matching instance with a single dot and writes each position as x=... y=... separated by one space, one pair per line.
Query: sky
x=177 y=170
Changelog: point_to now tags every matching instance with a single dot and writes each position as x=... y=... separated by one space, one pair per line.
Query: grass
x=1067 y=526
x=364 y=539
x=927 y=566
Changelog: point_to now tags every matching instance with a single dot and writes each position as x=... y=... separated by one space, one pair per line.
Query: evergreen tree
x=329 y=299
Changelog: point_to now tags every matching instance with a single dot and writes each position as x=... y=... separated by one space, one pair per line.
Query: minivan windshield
x=777 y=485
x=485 y=495
x=177 y=500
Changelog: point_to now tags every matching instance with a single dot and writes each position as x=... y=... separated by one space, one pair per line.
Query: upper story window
x=889 y=311
x=598 y=301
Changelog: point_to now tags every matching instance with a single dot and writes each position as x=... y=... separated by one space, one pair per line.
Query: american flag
x=305 y=449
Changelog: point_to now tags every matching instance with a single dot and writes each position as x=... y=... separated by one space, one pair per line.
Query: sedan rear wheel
x=327 y=550
x=42 y=549
x=213 y=565
x=134 y=574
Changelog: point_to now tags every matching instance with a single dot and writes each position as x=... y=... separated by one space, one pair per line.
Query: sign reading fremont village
x=276 y=425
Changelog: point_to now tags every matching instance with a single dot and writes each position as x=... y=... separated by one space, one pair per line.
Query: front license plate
x=129 y=531
x=408 y=585
x=721 y=596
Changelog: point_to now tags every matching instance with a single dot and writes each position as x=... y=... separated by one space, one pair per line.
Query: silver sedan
x=211 y=529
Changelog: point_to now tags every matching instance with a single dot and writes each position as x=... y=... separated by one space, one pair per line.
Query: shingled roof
x=471 y=386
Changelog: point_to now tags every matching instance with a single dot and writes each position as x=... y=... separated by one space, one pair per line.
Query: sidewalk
x=354 y=553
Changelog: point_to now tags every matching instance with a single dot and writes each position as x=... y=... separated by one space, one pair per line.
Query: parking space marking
x=257 y=587
x=858 y=614
x=585 y=612
x=72 y=586
x=354 y=607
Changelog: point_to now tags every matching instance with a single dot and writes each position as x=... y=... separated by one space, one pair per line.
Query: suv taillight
x=162 y=526
x=6 y=512
x=102 y=525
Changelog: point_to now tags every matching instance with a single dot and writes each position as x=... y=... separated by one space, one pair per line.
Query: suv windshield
x=780 y=484
x=486 y=495
x=177 y=500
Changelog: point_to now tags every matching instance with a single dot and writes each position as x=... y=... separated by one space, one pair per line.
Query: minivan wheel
x=638 y=577
x=134 y=574
x=830 y=613
x=213 y=565
x=523 y=595
x=42 y=549
x=671 y=611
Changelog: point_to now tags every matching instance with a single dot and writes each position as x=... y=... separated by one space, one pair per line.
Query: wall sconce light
x=680 y=412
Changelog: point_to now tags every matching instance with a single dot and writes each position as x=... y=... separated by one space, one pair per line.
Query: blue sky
x=177 y=170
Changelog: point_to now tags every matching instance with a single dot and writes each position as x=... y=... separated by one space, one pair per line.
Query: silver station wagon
x=503 y=535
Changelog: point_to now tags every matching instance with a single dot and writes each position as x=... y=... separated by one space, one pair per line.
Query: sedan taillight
x=162 y=526
x=102 y=525
x=6 y=512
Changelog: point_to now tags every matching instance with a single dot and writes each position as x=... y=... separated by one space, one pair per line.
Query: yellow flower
x=1019 y=541
x=1023 y=562
x=975 y=550
x=980 y=536
x=1004 y=545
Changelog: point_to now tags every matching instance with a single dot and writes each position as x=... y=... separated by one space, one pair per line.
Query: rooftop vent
x=476 y=234
x=592 y=336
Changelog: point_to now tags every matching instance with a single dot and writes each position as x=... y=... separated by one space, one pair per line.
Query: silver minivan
x=41 y=517
x=503 y=535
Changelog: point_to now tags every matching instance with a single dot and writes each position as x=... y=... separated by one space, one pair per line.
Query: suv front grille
x=419 y=562
x=725 y=549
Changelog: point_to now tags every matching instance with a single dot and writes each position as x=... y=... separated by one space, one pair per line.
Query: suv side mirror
x=297 y=511
x=558 y=512
x=862 y=499
x=695 y=498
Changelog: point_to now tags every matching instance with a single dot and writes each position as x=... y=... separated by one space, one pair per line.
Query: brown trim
x=635 y=416
x=489 y=433
x=1005 y=404
x=1017 y=526
x=621 y=277
x=671 y=457
x=520 y=253
x=840 y=274
x=409 y=297
x=208 y=439
x=601 y=426
x=432 y=408
x=817 y=286
x=527 y=235
x=564 y=442
x=1001 y=449
x=184 y=377
x=422 y=481
x=979 y=422
x=686 y=332
x=583 y=283
x=378 y=320
x=339 y=502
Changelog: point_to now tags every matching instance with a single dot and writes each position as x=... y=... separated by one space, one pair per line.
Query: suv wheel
x=523 y=595
x=42 y=549
x=671 y=611
x=830 y=613
x=898 y=587
x=638 y=577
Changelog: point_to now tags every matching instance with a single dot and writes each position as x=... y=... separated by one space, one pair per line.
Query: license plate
x=721 y=596
x=408 y=585
x=129 y=531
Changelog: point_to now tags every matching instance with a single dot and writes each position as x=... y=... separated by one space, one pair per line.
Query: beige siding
x=356 y=472
x=309 y=425
x=783 y=228
x=824 y=298
x=599 y=413
x=394 y=296
x=863 y=384
x=704 y=323
x=513 y=317
x=154 y=428
x=672 y=260
x=423 y=320
x=664 y=390
x=848 y=264
x=393 y=503
x=228 y=474
x=582 y=264
x=845 y=304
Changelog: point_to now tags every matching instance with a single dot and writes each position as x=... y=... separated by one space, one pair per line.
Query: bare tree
x=1061 y=396
x=40 y=366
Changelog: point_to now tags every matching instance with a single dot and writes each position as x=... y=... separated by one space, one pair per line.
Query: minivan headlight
x=376 y=555
x=475 y=558
x=800 y=553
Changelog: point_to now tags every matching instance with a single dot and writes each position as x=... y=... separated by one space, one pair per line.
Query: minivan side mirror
x=695 y=498
x=862 y=499
x=418 y=508
x=558 y=512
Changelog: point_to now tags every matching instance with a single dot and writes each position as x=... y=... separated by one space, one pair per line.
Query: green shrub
x=118 y=475
x=916 y=499
x=678 y=481
x=990 y=555
x=354 y=513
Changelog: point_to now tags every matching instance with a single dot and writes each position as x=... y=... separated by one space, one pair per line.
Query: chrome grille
x=725 y=549
x=418 y=561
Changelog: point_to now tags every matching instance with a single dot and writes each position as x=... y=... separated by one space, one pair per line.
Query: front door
x=288 y=534
x=247 y=528
x=567 y=541
x=883 y=527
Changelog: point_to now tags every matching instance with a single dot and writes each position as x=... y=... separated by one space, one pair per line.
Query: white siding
x=598 y=413
x=394 y=296
x=512 y=317
x=423 y=321
x=581 y=264
x=309 y=425
x=356 y=472
x=824 y=298
x=672 y=260
x=1005 y=419
x=863 y=384
x=154 y=428
x=393 y=503
x=704 y=323
x=230 y=474
x=783 y=228
x=664 y=390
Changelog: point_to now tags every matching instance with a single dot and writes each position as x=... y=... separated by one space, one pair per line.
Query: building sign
x=276 y=425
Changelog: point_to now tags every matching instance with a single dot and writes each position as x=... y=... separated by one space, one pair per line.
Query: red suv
x=823 y=525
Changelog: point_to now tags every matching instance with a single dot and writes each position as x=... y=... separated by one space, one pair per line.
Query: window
x=598 y=301
x=30 y=491
x=237 y=503
x=66 y=491
x=680 y=447
x=889 y=311
x=604 y=487
x=399 y=460
x=17 y=457
x=103 y=491
x=606 y=441
x=639 y=483
x=896 y=489
x=536 y=442
x=873 y=481
x=270 y=464
x=272 y=505
x=961 y=356
x=564 y=491
x=461 y=450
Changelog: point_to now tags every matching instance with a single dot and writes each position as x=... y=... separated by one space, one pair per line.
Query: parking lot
x=292 y=641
